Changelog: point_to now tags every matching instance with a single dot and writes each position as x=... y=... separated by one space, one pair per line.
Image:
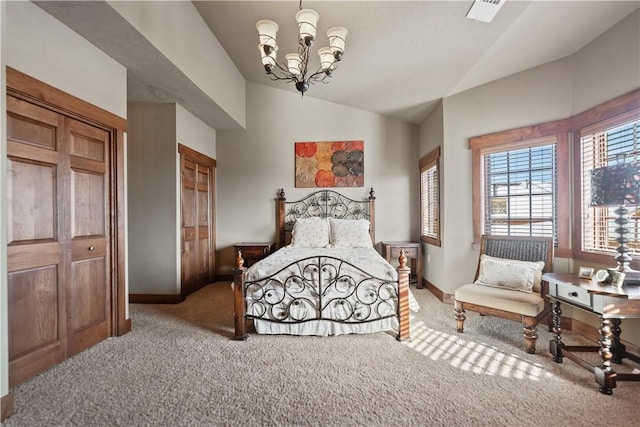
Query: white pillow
x=510 y=274
x=310 y=233
x=349 y=233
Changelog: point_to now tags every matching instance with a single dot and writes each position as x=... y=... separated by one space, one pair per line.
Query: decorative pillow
x=310 y=233
x=510 y=274
x=349 y=233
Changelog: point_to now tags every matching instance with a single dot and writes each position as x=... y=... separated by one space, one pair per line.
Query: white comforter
x=351 y=298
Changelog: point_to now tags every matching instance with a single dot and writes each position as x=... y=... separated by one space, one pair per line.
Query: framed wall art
x=329 y=164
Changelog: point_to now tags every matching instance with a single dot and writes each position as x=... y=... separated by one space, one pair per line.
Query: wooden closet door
x=88 y=301
x=58 y=186
x=37 y=193
x=189 y=229
x=197 y=212
x=203 y=191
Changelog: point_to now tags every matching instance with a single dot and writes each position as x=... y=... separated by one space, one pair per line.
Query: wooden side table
x=612 y=304
x=254 y=251
x=412 y=250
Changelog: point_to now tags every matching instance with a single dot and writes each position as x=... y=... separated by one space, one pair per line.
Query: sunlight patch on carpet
x=471 y=356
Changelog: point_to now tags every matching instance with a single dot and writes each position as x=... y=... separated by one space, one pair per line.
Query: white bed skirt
x=325 y=327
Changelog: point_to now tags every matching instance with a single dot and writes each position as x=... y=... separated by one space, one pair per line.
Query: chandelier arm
x=274 y=78
x=319 y=75
x=303 y=51
x=283 y=69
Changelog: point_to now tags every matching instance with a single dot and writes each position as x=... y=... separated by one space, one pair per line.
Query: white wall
x=151 y=162
x=178 y=31
x=253 y=164
x=44 y=48
x=40 y=46
x=609 y=66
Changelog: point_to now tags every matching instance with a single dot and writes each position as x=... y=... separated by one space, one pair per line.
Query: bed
x=326 y=278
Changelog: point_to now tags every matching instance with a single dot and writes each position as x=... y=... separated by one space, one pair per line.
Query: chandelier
x=296 y=68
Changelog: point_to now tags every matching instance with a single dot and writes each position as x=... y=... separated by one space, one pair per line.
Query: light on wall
x=296 y=68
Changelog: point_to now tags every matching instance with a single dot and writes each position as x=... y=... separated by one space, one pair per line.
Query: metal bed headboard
x=322 y=204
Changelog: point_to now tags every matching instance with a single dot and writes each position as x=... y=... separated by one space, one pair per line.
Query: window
x=430 y=198
x=612 y=141
x=520 y=191
x=518 y=176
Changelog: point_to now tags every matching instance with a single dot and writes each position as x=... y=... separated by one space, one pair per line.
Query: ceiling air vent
x=484 y=10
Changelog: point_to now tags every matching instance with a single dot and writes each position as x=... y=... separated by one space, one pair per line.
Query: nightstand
x=412 y=250
x=254 y=251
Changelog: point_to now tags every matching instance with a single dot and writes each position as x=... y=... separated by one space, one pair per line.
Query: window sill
x=605 y=258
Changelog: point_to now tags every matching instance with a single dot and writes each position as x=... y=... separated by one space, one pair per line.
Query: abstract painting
x=330 y=164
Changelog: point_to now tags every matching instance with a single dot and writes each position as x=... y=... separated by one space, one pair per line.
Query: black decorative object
x=618 y=185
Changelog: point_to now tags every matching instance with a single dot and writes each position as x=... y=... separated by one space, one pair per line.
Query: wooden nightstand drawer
x=251 y=252
x=409 y=252
x=574 y=294
x=413 y=252
x=254 y=251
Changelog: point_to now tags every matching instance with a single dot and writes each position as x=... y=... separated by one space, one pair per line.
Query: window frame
x=615 y=111
x=514 y=139
x=427 y=162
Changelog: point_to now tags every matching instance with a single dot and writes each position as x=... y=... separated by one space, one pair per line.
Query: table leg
x=604 y=374
x=555 y=345
x=619 y=350
x=419 y=268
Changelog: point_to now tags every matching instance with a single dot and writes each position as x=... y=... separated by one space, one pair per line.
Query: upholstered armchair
x=508 y=283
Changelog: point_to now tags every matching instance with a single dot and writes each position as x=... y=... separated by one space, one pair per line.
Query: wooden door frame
x=26 y=88
x=201 y=159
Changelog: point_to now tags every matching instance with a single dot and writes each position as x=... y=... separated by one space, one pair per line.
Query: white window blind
x=430 y=198
x=608 y=143
x=430 y=202
x=520 y=190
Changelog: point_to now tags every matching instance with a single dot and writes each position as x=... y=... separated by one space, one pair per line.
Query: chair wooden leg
x=460 y=318
x=530 y=333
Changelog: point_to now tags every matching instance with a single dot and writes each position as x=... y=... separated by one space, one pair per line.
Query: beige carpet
x=178 y=367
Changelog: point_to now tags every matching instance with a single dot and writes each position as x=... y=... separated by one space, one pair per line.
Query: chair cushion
x=511 y=274
x=527 y=304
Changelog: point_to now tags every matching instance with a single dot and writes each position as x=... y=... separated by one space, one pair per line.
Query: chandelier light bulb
x=326 y=59
x=337 y=40
x=268 y=61
x=293 y=63
x=307 y=20
x=267 y=34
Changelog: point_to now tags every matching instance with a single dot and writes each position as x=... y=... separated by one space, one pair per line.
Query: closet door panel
x=89 y=294
x=34 y=297
x=36 y=188
x=31 y=201
x=90 y=298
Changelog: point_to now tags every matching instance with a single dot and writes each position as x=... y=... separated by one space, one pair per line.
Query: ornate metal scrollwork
x=321 y=288
x=325 y=204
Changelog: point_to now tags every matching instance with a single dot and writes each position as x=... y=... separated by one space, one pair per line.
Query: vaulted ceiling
x=401 y=56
